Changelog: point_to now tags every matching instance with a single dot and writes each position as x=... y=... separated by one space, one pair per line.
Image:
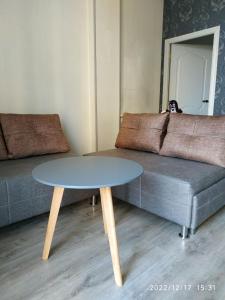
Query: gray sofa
x=21 y=197
x=183 y=191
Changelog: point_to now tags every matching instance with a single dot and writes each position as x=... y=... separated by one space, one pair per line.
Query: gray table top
x=87 y=172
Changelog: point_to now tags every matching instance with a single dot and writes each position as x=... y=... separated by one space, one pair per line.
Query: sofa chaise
x=178 y=188
x=182 y=191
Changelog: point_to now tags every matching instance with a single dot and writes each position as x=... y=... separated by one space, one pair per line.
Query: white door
x=190 y=73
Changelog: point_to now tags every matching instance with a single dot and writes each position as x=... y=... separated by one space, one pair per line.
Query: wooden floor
x=80 y=267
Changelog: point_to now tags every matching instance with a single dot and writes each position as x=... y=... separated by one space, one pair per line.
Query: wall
x=141 y=39
x=185 y=16
x=128 y=59
x=44 y=62
x=107 y=71
x=63 y=56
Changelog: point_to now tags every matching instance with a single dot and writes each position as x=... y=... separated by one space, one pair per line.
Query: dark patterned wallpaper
x=185 y=16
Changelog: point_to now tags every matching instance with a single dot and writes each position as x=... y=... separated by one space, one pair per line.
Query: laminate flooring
x=155 y=262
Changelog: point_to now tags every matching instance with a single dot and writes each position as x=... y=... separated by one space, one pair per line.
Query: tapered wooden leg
x=56 y=202
x=106 y=198
x=103 y=212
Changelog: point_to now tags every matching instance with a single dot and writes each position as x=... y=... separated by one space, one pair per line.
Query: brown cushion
x=200 y=138
x=3 y=151
x=28 y=135
x=142 y=131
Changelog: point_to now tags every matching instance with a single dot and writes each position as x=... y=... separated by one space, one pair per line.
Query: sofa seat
x=173 y=188
x=22 y=197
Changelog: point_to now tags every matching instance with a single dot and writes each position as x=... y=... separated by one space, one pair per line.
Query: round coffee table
x=87 y=172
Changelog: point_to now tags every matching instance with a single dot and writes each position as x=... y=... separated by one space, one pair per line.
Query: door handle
x=205 y=101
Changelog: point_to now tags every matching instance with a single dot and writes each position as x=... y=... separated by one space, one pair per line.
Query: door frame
x=167 y=55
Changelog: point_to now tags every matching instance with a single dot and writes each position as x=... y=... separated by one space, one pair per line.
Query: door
x=190 y=73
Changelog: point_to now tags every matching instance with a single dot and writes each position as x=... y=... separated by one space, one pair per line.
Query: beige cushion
x=142 y=131
x=3 y=151
x=200 y=138
x=28 y=135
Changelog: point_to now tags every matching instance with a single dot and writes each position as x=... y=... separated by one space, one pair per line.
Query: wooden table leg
x=55 y=206
x=103 y=212
x=106 y=198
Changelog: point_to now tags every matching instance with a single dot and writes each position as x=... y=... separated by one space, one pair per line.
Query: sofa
x=180 y=189
x=182 y=155
x=25 y=142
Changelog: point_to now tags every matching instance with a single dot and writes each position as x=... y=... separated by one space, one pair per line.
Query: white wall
x=63 y=56
x=128 y=39
x=108 y=71
x=141 y=38
x=44 y=62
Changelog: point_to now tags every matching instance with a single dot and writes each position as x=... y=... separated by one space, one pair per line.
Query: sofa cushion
x=168 y=185
x=3 y=151
x=142 y=131
x=29 y=135
x=171 y=178
x=200 y=138
x=22 y=197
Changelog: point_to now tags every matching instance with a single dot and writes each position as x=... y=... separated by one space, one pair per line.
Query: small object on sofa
x=30 y=135
x=173 y=107
x=200 y=138
x=142 y=131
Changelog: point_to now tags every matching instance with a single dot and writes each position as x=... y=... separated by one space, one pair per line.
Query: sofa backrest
x=193 y=137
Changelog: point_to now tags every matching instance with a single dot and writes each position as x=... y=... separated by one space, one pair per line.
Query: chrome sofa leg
x=184 y=234
x=94 y=200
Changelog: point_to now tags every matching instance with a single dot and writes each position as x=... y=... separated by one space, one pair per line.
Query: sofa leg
x=94 y=200
x=184 y=234
x=192 y=231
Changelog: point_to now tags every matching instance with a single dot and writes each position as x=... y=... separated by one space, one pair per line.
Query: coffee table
x=87 y=172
